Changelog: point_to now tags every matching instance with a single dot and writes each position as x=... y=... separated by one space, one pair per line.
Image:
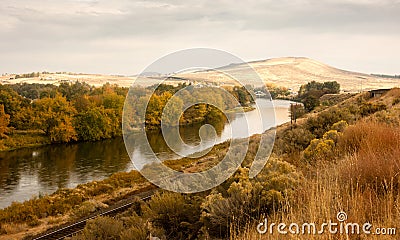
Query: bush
x=396 y=101
x=323 y=122
x=32 y=221
x=340 y=126
x=246 y=199
x=134 y=233
x=391 y=117
x=86 y=208
x=319 y=150
x=177 y=215
x=2 y=230
x=367 y=109
x=293 y=140
x=103 y=228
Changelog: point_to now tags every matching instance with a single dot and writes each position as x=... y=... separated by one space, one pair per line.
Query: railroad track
x=74 y=228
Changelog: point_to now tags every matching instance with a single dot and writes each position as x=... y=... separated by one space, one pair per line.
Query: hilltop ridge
x=290 y=72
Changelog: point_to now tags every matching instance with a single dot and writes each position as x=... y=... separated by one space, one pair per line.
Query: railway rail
x=76 y=227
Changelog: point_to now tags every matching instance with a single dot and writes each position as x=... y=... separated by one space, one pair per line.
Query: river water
x=29 y=172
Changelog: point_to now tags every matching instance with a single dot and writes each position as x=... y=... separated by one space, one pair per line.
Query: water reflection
x=26 y=172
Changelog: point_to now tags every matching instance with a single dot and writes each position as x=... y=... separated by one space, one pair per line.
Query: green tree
x=310 y=93
x=113 y=101
x=310 y=100
x=95 y=124
x=55 y=116
x=71 y=91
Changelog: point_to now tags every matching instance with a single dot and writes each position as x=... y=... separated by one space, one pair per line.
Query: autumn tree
x=55 y=116
x=12 y=103
x=4 y=121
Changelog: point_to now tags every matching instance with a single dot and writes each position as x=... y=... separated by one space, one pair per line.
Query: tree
x=55 y=116
x=12 y=102
x=94 y=124
x=296 y=110
x=71 y=91
x=243 y=96
x=113 y=101
x=310 y=101
x=4 y=121
x=331 y=87
x=310 y=93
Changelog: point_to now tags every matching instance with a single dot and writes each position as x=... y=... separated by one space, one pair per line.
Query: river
x=25 y=173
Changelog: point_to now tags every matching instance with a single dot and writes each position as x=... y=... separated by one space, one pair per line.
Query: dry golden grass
x=364 y=184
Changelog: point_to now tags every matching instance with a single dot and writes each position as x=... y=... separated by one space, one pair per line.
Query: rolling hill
x=290 y=72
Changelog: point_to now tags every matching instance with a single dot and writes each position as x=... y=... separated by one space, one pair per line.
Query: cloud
x=58 y=33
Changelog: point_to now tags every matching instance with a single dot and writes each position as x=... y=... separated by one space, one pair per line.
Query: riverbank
x=241 y=109
x=18 y=139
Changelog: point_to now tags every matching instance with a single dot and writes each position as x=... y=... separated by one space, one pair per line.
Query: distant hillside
x=290 y=72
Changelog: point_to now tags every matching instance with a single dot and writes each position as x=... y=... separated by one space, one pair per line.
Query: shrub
x=391 y=117
x=323 y=122
x=247 y=199
x=99 y=188
x=137 y=227
x=278 y=178
x=102 y=228
x=367 y=109
x=319 y=150
x=134 y=233
x=175 y=213
x=332 y=135
x=2 y=230
x=340 y=126
x=293 y=140
x=396 y=101
x=32 y=221
x=86 y=208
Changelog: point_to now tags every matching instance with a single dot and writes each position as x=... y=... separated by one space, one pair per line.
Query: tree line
x=138 y=98
x=80 y=112
x=69 y=112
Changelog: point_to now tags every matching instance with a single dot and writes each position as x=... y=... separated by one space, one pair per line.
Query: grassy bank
x=23 y=139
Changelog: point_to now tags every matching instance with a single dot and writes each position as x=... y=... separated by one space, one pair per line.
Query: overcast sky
x=125 y=36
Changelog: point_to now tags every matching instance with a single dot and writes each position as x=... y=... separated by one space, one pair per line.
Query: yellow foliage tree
x=4 y=121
